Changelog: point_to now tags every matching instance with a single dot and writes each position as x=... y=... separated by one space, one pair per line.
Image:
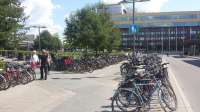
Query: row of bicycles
x=144 y=80
x=14 y=74
x=87 y=64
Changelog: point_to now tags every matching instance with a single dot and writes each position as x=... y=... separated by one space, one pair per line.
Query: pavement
x=187 y=74
x=63 y=93
x=88 y=92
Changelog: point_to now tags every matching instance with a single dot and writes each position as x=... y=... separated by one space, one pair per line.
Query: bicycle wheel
x=113 y=102
x=167 y=98
x=2 y=82
x=124 y=69
x=128 y=101
x=24 y=78
x=7 y=81
x=32 y=73
x=28 y=75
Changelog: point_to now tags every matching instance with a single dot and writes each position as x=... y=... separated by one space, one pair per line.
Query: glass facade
x=190 y=18
x=161 y=17
x=168 y=31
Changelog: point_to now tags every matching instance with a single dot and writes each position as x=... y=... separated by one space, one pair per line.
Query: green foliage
x=48 y=41
x=90 y=29
x=12 y=20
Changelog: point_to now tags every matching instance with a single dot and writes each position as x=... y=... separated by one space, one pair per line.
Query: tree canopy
x=12 y=21
x=48 y=41
x=90 y=28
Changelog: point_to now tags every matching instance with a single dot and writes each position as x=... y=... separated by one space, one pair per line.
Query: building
x=27 y=41
x=162 y=31
x=117 y=9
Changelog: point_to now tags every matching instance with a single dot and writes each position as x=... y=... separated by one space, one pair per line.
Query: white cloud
x=40 y=12
x=57 y=6
x=66 y=15
x=111 y=1
x=149 y=6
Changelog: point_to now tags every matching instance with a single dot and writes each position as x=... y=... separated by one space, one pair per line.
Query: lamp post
x=133 y=14
x=183 y=40
x=162 y=39
x=169 y=33
x=176 y=40
x=39 y=27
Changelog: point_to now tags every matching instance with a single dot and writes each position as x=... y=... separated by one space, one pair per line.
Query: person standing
x=49 y=59
x=34 y=60
x=44 y=65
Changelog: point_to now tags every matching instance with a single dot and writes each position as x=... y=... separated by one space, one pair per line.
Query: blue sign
x=134 y=28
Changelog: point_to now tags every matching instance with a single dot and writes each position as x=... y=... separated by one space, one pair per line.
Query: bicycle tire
x=132 y=104
x=167 y=97
x=24 y=78
x=2 y=82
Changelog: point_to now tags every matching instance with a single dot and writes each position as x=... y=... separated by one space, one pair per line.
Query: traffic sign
x=133 y=28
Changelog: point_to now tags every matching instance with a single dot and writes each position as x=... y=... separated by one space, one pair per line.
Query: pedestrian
x=49 y=59
x=43 y=65
x=34 y=60
x=67 y=62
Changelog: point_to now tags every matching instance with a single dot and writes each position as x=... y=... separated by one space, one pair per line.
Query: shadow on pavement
x=92 y=77
x=108 y=108
x=195 y=62
x=67 y=78
x=179 y=56
x=76 y=78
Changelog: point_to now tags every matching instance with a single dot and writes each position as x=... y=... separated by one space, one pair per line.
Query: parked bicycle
x=86 y=64
x=15 y=74
x=142 y=78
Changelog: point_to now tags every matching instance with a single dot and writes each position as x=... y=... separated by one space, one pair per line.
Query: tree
x=114 y=41
x=89 y=28
x=12 y=20
x=48 y=41
x=55 y=42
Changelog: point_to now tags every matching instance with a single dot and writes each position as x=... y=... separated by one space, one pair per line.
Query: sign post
x=133 y=29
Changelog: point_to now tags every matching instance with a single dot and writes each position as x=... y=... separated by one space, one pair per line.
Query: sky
x=52 y=13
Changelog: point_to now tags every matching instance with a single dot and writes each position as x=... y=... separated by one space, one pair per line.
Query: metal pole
x=133 y=11
x=133 y=24
x=39 y=39
x=190 y=33
x=183 y=40
x=162 y=39
x=169 y=38
x=194 y=49
x=176 y=40
x=147 y=41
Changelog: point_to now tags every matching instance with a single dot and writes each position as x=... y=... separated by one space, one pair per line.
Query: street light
x=38 y=27
x=133 y=22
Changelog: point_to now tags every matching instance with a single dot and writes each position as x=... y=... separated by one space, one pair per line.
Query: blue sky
x=68 y=6
x=181 y=5
x=52 y=13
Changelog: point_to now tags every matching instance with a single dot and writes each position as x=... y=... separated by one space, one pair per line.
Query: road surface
x=187 y=73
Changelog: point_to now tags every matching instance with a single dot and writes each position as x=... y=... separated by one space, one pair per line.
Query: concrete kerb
x=183 y=97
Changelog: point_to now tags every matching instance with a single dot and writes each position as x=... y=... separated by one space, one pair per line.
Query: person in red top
x=67 y=62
